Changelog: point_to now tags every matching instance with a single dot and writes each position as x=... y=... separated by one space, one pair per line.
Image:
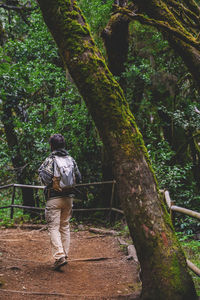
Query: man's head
x=57 y=141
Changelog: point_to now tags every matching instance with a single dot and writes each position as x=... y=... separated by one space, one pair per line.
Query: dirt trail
x=26 y=268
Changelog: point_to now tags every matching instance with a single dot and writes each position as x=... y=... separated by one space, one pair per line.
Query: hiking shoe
x=59 y=263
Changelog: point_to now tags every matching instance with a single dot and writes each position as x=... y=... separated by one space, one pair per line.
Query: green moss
x=176 y=271
x=172 y=274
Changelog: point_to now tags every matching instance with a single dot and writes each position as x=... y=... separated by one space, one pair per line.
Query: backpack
x=64 y=175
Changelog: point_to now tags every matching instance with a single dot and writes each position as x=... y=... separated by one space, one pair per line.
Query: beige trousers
x=57 y=214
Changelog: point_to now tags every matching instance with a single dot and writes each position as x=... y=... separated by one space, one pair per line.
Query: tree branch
x=22 y=10
x=161 y=25
x=185 y=16
x=193 y=6
x=17 y=8
x=11 y=7
x=190 y=15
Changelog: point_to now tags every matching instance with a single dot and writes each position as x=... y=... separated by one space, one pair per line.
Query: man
x=59 y=200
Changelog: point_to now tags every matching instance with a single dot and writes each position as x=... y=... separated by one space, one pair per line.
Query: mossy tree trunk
x=179 y=22
x=164 y=269
x=116 y=40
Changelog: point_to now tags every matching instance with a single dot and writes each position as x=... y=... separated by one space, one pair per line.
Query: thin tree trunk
x=164 y=268
x=115 y=36
x=116 y=41
x=107 y=174
x=17 y=159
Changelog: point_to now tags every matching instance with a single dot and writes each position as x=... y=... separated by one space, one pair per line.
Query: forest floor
x=97 y=267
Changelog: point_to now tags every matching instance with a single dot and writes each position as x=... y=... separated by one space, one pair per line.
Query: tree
x=179 y=23
x=163 y=265
x=166 y=90
x=116 y=40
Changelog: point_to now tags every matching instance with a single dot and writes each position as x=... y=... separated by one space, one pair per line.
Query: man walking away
x=59 y=173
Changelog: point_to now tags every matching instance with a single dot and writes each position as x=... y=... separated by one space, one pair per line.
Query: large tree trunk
x=164 y=269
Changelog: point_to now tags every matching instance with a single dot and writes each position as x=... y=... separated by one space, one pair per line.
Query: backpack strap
x=56 y=177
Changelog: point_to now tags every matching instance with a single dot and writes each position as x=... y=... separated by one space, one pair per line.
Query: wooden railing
x=15 y=185
x=172 y=209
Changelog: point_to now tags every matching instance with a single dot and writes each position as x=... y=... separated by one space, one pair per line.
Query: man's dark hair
x=57 y=141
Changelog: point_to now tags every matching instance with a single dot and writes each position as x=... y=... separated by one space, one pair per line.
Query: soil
x=97 y=267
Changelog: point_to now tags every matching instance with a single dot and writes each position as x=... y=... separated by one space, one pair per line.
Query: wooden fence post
x=111 y=199
x=172 y=214
x=12 y=203
x=170 y=203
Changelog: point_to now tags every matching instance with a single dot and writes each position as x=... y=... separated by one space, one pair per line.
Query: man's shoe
x=59 y=263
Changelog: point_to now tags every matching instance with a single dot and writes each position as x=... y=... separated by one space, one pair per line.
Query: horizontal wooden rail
x=43 y=187
x=193 y=267
x=96 y=183
x=182 y=210
x=117 y=210
x=29 y=186
x=186 y=211
x=26 y=207
x=2 y=207
x=17 y=185
x=74 y=209
x=5 y=186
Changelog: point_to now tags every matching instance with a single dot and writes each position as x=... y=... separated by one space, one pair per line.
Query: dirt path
x=26 y=268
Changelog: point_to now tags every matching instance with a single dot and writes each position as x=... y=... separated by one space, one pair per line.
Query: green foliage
x=122 y=228
x=97 y=13
x=33 y=85
x=7 y=222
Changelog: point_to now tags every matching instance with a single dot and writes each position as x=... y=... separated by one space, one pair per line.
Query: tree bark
x=115 y=36
x=164 y=268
